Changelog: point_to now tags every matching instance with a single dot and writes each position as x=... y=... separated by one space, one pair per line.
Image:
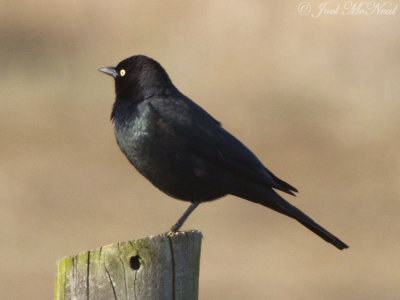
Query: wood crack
x=173 y=267
x=111 y=282
x=87 y=275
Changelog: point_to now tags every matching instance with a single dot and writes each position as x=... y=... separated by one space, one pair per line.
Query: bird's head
x=139 y=77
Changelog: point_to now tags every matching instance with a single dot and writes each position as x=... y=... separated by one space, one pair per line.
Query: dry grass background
x=316 y=99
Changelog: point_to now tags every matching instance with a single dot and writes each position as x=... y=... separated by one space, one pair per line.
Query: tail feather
x=295 y=213
x=269 y=198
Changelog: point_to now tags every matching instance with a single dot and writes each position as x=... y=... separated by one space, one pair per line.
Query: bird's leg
x=185 y=215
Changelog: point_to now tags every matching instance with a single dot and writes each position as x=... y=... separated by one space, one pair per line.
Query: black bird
x=184 y=151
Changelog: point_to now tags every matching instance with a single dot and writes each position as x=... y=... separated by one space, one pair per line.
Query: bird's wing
x=205 y=137
x=222 y=148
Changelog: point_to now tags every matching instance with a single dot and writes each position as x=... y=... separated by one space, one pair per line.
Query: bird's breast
x=164 y=158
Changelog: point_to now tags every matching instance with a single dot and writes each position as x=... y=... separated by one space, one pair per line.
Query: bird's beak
x=109 y=71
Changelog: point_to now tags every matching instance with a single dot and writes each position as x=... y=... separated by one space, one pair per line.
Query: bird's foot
x=176 y=227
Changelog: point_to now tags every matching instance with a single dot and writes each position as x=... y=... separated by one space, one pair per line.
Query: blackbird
x=184 y=151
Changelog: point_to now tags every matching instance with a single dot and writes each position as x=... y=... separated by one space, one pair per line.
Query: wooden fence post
x=163 y=267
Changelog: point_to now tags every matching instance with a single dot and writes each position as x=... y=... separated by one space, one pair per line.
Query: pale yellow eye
x=122 y=72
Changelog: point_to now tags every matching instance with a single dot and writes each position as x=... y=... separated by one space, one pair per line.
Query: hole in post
x=135 y=262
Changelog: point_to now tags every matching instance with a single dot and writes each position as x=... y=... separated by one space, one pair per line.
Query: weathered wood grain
x=164 y=267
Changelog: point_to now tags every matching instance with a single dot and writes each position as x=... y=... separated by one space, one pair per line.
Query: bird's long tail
x=269 y=198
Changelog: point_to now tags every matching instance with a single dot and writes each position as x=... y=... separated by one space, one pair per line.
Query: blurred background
x=316 y=99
